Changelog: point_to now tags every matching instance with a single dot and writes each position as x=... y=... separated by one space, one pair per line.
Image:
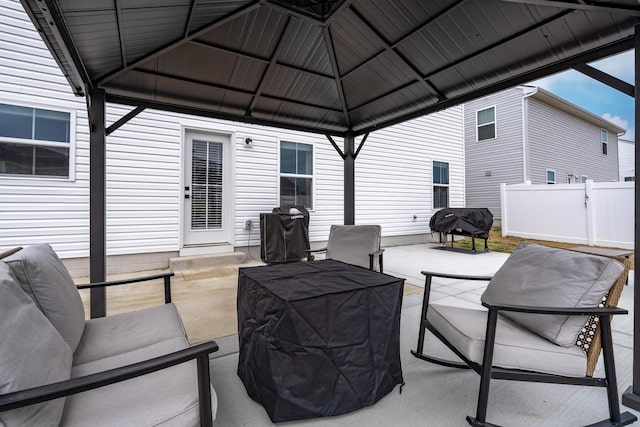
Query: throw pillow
x=535 y=275
x=32 y=353
x=46 y=280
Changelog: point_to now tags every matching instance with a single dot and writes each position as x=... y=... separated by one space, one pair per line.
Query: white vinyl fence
x=594 y=213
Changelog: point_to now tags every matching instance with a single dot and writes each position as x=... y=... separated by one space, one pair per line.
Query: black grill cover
x=318 y=338
x=284 y=236
x=475 y=222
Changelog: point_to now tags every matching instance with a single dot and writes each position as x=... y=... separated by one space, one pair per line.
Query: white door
x=207 y=192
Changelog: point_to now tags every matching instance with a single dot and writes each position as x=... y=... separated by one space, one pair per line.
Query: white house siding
x=35 y=209
x=626 y=158
x=492 y=162
x=394 y=172
x=145 y=161
x=579 y=151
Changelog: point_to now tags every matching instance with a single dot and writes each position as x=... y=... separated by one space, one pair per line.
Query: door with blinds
x=207 y=217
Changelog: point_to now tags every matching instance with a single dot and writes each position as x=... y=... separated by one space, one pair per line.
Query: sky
x=597 y=97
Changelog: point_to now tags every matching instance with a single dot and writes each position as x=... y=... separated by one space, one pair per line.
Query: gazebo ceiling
x=330 y=66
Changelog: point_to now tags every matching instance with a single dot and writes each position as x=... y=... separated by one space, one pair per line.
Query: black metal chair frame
x=200 y=352
x=377 y=253
x=484 y=236
x=488 y=372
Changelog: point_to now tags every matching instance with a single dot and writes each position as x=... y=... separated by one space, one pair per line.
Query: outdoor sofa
x=56 y=368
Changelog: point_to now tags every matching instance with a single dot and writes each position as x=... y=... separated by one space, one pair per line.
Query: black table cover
x=318 y=338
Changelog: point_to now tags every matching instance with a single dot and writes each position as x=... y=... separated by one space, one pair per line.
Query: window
x=440 y=185
x=34 y=141
x=604 y=137
x=551 y=176
x=486 y=122
x=296 y=174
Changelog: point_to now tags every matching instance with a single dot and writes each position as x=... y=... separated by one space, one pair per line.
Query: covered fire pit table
x=318 y=338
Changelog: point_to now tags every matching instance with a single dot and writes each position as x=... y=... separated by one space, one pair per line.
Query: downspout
x=526 y=173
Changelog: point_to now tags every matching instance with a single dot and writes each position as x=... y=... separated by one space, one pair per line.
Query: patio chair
x=354 y=244
x=548 y=319
x=56 y=368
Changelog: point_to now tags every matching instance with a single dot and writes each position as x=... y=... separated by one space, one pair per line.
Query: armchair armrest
x=378 y=253
x=455 y=276
x=312 y=251
x=48 y=392
x=166 y=276
x=570 y=311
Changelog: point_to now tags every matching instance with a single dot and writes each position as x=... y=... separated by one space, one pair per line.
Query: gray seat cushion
x=32 y=354
x=168 y=397
x=107 y=336
x=353 y=244
x=515 y=347
x=46 y=280
x=535 y=275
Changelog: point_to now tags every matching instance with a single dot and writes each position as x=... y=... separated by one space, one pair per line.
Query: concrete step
x=195 y=262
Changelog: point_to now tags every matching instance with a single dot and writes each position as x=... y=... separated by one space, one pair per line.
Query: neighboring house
x=527 y=134
x=179 y=185
x=626 y=158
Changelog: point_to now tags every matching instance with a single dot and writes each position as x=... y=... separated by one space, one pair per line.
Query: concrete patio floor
x=433 y=395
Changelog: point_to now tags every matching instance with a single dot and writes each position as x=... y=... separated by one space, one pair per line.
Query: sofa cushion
x=535 y=275
x=32 y=354
x=46 y=280
x=515 y=347
x=107 y=336
x=168 y=397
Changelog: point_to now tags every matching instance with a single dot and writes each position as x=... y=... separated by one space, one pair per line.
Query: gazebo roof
x=329 y=66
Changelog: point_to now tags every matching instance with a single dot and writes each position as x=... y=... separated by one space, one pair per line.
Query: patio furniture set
x=317 y=338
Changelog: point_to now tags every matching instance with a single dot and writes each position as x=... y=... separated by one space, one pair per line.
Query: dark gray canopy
x=328 y=66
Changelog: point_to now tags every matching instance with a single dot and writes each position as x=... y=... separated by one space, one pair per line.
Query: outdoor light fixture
x=248 y=142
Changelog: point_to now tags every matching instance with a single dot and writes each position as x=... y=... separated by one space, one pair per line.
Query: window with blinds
x=206 y=185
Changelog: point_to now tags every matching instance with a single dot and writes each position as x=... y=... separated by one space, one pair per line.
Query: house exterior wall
x=532 y=136
x=491 y=162
x=626 y=159
x=562 y=142
x=145 y=166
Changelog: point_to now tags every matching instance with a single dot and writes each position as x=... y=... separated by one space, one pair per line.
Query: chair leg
x=485 y=378
x=204 y=391
x=615 y=418
x=423 y=315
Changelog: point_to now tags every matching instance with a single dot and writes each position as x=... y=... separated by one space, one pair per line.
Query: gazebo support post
x=631 y=397
x=97 y=199
x=349 y=179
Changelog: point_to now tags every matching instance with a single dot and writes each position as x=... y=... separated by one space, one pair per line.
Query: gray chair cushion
x=535 y=275
x=32 y=353
x=46 y=280
x=107 y=336
x=515 y=347
x=353 y=244
x=168 y=397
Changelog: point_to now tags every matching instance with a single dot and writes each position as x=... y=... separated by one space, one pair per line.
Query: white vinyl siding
x=626 y=159
x=488 y=165
x=144 y=166
x=568 y=145
x=394 y=172
x=38 y=209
